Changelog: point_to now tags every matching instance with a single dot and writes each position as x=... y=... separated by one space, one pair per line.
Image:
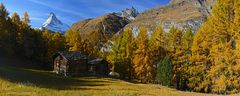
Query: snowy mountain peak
x=52 y=14
x=54 y=24
x=129 y=13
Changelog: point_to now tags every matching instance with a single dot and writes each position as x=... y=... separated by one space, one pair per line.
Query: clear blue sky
x=70 y=11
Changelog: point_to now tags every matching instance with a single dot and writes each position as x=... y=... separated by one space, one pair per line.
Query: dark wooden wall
x=60 y=65
x=81 y=67
x=78 y=67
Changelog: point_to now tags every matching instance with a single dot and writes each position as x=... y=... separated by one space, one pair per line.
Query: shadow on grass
x=44 y=79
x=15 y=70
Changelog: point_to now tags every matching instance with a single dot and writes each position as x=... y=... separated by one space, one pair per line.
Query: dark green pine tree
x=3 y=21
x=165 y=71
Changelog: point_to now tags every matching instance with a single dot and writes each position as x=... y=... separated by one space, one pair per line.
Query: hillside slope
x=27 y=82
x=108 y=24
x=180 y=13
x=99 y=29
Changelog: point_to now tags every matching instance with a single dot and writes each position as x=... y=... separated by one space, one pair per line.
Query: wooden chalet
x=98 y=67
x=78 y=64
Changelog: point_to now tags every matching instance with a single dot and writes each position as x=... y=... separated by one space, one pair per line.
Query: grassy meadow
x=19 y=81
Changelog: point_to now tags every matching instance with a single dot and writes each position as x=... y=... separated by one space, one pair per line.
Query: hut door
x=92 y=70
x=57 y=66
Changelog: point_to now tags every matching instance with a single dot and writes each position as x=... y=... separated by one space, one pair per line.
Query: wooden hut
x=98 y=67
x=78 y=64
x=70 y=63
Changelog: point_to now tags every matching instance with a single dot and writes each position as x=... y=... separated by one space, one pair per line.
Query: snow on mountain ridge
x=129 y=13
x=54 y=24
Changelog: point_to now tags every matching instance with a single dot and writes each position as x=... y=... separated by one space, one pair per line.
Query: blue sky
x=71 y=11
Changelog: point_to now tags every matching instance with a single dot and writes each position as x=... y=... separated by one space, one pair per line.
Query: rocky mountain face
x=178 y=13
x=100 y=28
x=54 y=24
x=105 y=26
x=108 y=24
x=129 y=13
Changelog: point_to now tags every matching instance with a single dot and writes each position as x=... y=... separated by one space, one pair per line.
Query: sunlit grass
x=17 y=81
x=26 y=82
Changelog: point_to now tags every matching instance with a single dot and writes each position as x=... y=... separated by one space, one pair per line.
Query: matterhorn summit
x=54 y=24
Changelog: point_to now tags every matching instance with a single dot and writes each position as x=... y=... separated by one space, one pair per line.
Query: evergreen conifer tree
x=165 y=71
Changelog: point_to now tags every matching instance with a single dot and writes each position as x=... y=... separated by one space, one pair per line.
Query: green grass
x=27 y=82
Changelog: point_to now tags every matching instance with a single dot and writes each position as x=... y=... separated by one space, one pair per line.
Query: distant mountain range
x=120 y=20
x=179 y=13
x=54 y=24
